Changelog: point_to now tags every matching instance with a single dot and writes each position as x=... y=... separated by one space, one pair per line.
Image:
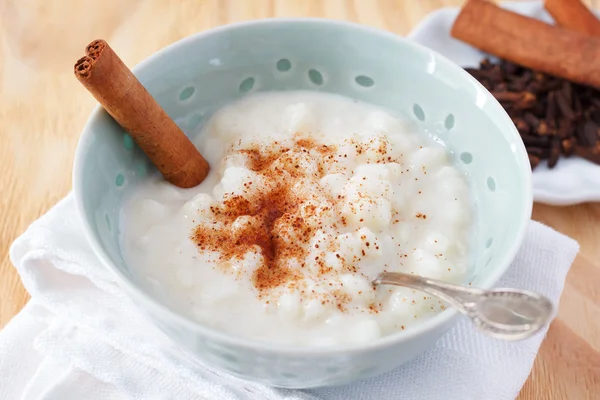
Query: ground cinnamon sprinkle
x=341 y=300
x=311 y=144
x=269 y=220
x=375 y=308
x=258 y=160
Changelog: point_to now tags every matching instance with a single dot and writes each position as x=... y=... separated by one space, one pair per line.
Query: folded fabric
x=80 y=337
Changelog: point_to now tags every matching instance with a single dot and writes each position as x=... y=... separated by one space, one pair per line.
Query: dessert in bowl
x=310 y=197
x=336 y=152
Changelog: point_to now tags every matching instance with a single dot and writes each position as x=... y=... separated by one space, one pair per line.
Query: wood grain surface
x=43 y=109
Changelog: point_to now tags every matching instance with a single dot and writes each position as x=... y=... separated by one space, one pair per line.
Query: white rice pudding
x=310 y=196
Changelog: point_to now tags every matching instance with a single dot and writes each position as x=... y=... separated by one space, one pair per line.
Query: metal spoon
x=508 y=314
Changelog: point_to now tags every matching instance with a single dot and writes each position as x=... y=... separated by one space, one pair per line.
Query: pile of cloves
x=555 y=117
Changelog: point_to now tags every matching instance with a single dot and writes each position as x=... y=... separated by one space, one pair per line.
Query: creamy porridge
x=310 y=196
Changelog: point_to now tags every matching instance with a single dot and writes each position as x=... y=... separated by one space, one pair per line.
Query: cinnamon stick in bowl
x=122 y=95
x=573 y=15
x=526 y=41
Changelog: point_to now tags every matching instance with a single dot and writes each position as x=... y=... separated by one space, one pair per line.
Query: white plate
x=573 y=180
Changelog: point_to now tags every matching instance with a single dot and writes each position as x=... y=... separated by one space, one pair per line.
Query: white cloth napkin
x=81 y=338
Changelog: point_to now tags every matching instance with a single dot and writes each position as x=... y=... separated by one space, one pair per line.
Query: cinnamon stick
x=529 y=42
x=574 y=15
x=115 y=87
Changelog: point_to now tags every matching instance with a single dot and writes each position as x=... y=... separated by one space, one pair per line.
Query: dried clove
x=534 y=161
x=567 y=91
x=553 y=116
x=535 y=151
x=567 y=146
x=588 y=134
x=522 y=126
x=565 y=128
x=564 y=105
x=551 y=110
x=531 y=120
x=537 y=141
x=590 y=154
x=554 y=152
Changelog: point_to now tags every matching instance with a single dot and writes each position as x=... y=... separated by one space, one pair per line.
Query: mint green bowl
x=195 y=76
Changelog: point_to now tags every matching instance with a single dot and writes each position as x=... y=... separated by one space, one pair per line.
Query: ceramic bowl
x=195 y=76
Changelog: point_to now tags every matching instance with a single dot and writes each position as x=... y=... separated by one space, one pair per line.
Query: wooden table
x=43 y=108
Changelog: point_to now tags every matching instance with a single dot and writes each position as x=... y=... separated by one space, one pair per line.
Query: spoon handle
x=509 y=314
x=462 y=298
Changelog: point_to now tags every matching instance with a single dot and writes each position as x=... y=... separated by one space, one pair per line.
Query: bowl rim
x=429 y=325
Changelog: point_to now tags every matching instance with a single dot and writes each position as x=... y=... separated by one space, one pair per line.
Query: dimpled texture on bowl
x=194 y=77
